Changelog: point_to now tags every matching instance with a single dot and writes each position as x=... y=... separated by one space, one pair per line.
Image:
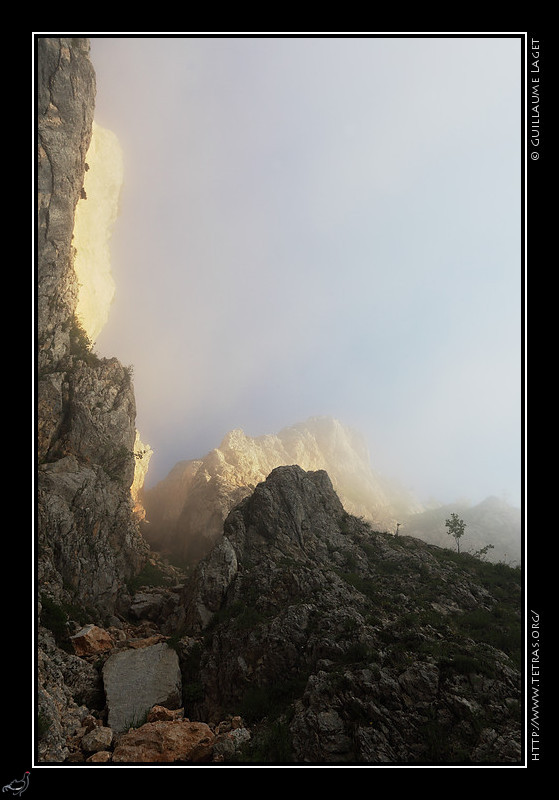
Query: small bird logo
x=17 y=787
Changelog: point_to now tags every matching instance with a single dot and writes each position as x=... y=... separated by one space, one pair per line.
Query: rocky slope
x=349 y=645
x=187 y=509
x=303 y=638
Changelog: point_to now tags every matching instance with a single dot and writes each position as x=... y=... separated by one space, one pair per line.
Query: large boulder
x=137 y=680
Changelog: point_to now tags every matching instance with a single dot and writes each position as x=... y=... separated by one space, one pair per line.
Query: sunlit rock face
x=95 y=216
x=96 y=213
x=142 y=455
x=188 y=508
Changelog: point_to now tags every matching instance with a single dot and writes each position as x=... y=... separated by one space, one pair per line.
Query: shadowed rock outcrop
x=360 y=647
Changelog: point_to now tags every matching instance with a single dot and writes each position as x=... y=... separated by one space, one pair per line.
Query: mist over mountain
x=299 y=634
x=492 y=522
x=185 y=512
x=282 y=251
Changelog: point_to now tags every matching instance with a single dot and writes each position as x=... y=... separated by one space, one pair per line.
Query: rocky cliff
x=88 y=542
x=304 y=638
x=187 y=509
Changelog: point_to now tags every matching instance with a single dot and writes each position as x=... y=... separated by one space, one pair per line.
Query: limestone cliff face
x=142 y=455
x=88 y=538
x=186 y=511
x=96 y=213
x=65 y=105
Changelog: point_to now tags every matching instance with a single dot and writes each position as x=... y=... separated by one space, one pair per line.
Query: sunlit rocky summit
x=187 y=509
x=304 y=632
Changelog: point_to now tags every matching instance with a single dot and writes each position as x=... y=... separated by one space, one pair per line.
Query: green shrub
x=192 y=693
x=369 y=550
x=357 y=653
x=150 y=575
x=43 y=724
x=55 y=618
x=455 y=660
x=80 y=343
x=435 y=736
x=346 y=523
x=498 y=627
x=350 y=560
x=385 y=567
x=191 y=662
x=367 y=586
x=270 y=745
x=272 y=700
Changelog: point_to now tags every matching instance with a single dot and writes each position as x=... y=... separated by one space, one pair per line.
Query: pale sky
x=319 y=226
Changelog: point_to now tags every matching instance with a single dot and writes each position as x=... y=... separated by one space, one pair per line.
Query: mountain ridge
x=187 y=509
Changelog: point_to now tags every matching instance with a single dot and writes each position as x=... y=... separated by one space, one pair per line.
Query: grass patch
x=272 y=700
x=192 y=693
x=271 y=745
x=43 y=724
x=499 y=627
x=150 y=575
x=365 y=585
x=139 y=719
